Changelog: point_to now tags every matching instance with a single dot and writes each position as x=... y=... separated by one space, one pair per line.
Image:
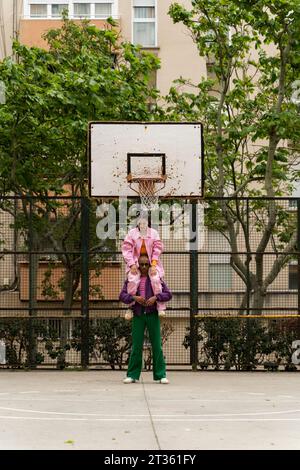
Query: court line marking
x=149 y=390
x=151 y=417
x=257 y=413
x=107 y=400
x=35 y=418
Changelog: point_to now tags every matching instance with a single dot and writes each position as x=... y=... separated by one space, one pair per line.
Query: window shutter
x=144 y=3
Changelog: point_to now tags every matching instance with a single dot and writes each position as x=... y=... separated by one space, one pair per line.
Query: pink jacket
x=131 y=248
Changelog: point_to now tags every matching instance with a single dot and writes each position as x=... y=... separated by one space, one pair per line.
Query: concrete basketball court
x=198 y=410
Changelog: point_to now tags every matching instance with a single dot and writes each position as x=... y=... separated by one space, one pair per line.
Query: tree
x=51 y=95
x=86 y=74
x=249 y=116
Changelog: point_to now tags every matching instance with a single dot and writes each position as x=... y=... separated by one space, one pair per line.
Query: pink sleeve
x=127 y=250
x=157 y=247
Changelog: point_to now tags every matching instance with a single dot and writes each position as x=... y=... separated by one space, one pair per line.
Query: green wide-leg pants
x=150 y=321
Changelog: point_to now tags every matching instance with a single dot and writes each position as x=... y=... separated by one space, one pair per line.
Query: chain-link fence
x=235 y=281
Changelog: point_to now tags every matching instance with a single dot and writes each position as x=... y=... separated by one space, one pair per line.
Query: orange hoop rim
x=155 y=179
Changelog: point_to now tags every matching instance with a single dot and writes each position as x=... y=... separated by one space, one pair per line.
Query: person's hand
x=151 y=301
x=133 y=269
x=139 y=299
x=153 y=270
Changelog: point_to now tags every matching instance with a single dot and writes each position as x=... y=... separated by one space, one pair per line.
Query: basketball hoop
x=147 y=188
x=122 y=152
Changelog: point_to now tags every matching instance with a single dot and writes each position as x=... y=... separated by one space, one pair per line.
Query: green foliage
x=16 y=333
x=217 y=334
x=286 y=331
x=244 y=344
x=246 y=96
x=250 y=342
x=51 y=95
x=48 y=289
x=57 y=351
x=109 y=341
x=249 y=116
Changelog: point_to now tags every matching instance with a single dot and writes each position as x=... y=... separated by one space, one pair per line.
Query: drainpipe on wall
x=2 y=31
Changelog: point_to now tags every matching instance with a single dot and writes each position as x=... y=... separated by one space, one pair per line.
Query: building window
x=220 y=276
x=144 y=13
x=82 y=10
x=38 y=11
x=56 y=10
x=89 y=9
x=293 y=275
x=103 y=10
x=144 y=22
x=54 y=327
x=292 y=203
x=220 y=270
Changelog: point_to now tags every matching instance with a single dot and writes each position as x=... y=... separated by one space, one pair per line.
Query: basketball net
x=149 y=196
x=147 y=189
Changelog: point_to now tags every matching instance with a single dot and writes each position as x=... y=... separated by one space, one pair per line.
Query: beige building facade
x=144 y=22
x=171 y=42
x=11 y=12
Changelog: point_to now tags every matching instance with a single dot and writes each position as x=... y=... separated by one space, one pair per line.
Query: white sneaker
x=128 y=315
x=162 y=313
x=129 y=380
x=164 y=380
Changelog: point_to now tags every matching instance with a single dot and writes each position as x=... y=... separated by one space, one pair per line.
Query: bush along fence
x=247 y=344
x=235 y=284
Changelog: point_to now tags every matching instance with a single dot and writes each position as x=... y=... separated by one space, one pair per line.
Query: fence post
x=248 y=260
x=84 y=282
x=31 y=304
x=298 y=251
x=194 y=286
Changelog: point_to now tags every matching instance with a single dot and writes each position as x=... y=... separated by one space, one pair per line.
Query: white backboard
x=111 y=142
